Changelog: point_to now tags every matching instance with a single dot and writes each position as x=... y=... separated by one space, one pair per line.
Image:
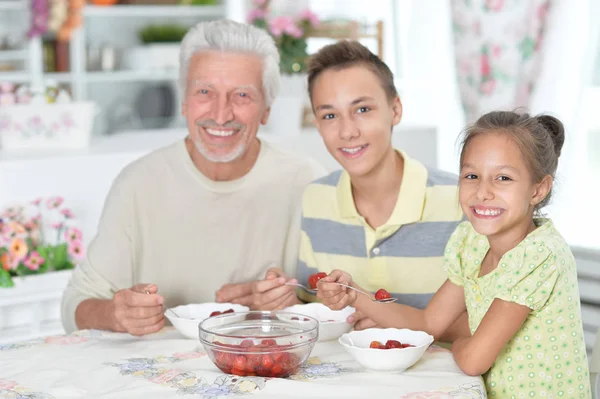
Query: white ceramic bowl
x=332 y=323
x=357 y=344
x=190 y=316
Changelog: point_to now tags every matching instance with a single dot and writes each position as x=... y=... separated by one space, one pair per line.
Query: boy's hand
x=333 y=295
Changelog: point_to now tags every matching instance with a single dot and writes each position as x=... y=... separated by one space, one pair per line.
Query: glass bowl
x=265 y=344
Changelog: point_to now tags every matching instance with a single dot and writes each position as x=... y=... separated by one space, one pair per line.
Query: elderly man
x=207 y=214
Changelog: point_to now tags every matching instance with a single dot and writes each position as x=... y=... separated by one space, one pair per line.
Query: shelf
x=16 y=5
x=14 y=77
x=154 y=11
x=130 y=76
x=60 y=77
x=13 y=55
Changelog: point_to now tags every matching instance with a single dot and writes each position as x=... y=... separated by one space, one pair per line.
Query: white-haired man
x=206 y=215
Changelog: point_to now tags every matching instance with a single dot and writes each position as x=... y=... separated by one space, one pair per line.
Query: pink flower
x=67 y=213
x=487 y=87
x=65 y=340
x=283 y=25
x=34 y=261
x=9 y=261
x=189 y=355
x=295 y=32
x=7 y=384
x=494 y=5
x=486 y=69
x=57 y=226
x=311 y=17
x=73 y=235
x=75 y=250
x=54 y=202
x=165 y=377
x=496 y=51
x=36 y=201
x=255 y=14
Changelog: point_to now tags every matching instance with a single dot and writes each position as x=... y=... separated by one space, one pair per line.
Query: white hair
x=233 y=37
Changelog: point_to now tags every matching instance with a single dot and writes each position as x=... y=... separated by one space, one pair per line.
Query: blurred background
x=87 y=87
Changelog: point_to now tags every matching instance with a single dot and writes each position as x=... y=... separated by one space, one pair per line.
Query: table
x=99 y=364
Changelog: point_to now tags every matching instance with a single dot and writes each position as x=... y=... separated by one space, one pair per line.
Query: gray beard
x=222 y=158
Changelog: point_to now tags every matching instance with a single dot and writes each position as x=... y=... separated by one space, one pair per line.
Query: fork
x=314 y=291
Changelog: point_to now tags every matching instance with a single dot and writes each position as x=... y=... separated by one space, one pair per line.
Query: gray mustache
x=211 y=123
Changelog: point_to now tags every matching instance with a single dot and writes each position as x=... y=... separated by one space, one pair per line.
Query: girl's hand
x=334 y=296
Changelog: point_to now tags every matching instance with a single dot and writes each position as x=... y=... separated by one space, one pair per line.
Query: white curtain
x=569 y=52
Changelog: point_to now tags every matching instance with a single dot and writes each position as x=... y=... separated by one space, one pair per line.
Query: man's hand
x=240 y=294
x=138 y=310
x=272 y=293
x=360 y=321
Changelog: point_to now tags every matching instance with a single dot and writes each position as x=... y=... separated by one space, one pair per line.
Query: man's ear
x=266 y=115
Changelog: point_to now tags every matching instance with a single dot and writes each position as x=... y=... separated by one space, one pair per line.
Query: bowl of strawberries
x=186 y=318
x=264 y=344
x=386 y=349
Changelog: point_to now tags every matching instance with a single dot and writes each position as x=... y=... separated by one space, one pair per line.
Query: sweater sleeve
x=108 y=265
x=312 y=171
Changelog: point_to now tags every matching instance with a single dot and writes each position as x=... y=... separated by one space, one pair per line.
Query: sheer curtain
x=497 y=50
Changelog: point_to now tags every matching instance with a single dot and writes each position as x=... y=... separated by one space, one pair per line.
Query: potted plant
x=159 y=50
x=36 y=239
x=290 y=34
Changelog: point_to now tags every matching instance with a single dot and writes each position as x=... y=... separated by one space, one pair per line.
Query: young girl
x=512 y=271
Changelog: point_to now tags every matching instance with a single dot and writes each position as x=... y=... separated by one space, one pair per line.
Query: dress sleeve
x=529 y=277
x=453 y=263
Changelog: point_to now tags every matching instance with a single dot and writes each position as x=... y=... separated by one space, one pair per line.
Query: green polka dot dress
x=547 y=357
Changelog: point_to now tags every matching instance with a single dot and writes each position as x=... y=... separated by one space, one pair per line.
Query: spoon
x=314 y=291
x=169 y=309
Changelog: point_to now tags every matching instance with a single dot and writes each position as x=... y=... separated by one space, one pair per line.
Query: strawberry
x=391 y=343
x=227 y=311
x=239 y=362
x=313 y=279
x=267 y=362
x=382 y=294
x=277 y=370
x=269 y=342
x=253 y=362
x=247 y=343
x=215 y=313
x=238 y=372
x=382 y=347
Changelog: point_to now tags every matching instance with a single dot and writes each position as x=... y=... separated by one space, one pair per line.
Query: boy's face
x=355 y=117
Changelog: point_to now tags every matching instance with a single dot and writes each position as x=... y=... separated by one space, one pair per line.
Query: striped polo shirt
x=403 y=256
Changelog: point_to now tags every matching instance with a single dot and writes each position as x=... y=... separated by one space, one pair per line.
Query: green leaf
x=59 y=257
x=5 y=279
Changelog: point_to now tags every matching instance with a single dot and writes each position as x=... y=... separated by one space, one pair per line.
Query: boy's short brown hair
x=349 y=53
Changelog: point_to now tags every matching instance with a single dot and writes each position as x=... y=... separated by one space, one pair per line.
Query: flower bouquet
x=290 y=34
x=36 y=238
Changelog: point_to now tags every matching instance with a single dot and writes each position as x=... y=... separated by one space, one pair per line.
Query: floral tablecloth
x=98 y=364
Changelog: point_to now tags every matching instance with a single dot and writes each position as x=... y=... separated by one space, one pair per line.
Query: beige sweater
x=166 y=223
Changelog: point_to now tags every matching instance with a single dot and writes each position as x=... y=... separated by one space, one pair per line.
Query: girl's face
x=496 y=189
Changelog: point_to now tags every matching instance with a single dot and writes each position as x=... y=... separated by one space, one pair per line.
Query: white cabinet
x=31 y=308
x=106 y=27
